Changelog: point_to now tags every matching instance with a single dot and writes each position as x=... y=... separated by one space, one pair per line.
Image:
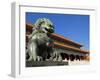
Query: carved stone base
x=45 y=63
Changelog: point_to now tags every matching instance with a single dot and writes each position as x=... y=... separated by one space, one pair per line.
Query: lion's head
x=46 y=24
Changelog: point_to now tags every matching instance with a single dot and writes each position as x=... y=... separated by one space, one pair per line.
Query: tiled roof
x=70 y=47
x=65 y=39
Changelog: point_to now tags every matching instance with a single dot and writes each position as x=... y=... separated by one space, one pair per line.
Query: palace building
x=68 y=49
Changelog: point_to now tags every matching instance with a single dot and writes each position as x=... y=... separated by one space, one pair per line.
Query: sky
x=71 y=26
